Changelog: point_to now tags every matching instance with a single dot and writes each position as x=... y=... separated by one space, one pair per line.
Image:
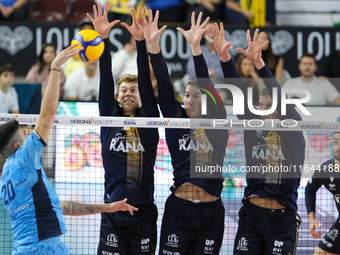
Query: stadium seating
x=77 y=10
x=48 y=11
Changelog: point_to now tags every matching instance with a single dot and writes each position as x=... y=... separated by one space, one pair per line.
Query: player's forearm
x=49 y=103
x=311 y=216
x=154 y=47
x=73 y=208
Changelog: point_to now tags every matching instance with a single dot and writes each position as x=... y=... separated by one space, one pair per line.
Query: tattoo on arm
x=73 y=208
x=46 y=126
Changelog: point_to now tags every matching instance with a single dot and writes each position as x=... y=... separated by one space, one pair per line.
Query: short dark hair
x=309 y=55
x=6 y=67
x=7 y=131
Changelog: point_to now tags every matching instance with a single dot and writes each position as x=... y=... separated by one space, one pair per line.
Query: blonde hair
x=128 y=78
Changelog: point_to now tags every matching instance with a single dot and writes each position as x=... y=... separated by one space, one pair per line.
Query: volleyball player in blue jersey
x=329 y=176
x=128 y=153
x=32 y=204
x=268 y=221
x=193 y=221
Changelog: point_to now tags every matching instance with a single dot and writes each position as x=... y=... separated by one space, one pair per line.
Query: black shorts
x=124 y=234
x=191 y=228
x=331 y=241
x=266 y=231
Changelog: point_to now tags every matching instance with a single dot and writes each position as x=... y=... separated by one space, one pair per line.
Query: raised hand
x=151 y=31
x=219 y=42
x=136 y=29
x=64 y=55
x=253 y=52
x=100 y=21
x=196 y=31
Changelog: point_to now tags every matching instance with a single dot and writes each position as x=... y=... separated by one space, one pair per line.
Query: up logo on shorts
x=172 y=240
x=112 y=240
x=277 y=247
x=209 y=249
x=145 y=244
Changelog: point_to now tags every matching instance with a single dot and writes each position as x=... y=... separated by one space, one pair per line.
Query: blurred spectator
x=39 y=72
x=322 y=91
x=73 y=63
x=211 y=8
x=330 y=68
x=270 y=12
x=13 y=9
x=124 y=61
x=119 y=9
x=213 y=63
x=275 y=63
x=211 y=57
x=246 y=68
x=169 y=10
x=83 y=84
x=235 y=14
x=8 y=96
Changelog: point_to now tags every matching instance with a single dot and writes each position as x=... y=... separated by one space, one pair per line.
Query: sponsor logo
x=145 y=244
x=333 y=234
x=242 y=244
x=205 y=124
x=332 y=185
x=170 y=252
x=172 y=240
x=131 y=122
x=195 y=143
x=337 y=198
x=208 y=249
x=109 y=253
x=277 y=247
x=125 y=144
x=320 y=126
x=262 y=152
x=157 y=123
x=19 y=119
x=112 y=240
x=80 y=121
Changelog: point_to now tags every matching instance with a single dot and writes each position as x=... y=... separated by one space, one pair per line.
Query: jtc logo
x=112 y=240
x=173 y=238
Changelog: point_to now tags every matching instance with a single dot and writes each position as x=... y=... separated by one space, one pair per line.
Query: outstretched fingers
x=255 y=37
x=205 y=22
x=198 y=21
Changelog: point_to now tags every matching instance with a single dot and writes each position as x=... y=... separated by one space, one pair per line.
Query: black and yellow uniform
x=329 y=176
x=187 y=225
x=128 y=157
x=262 y=230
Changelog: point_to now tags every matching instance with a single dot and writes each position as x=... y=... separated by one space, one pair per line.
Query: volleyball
x=92 y=42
